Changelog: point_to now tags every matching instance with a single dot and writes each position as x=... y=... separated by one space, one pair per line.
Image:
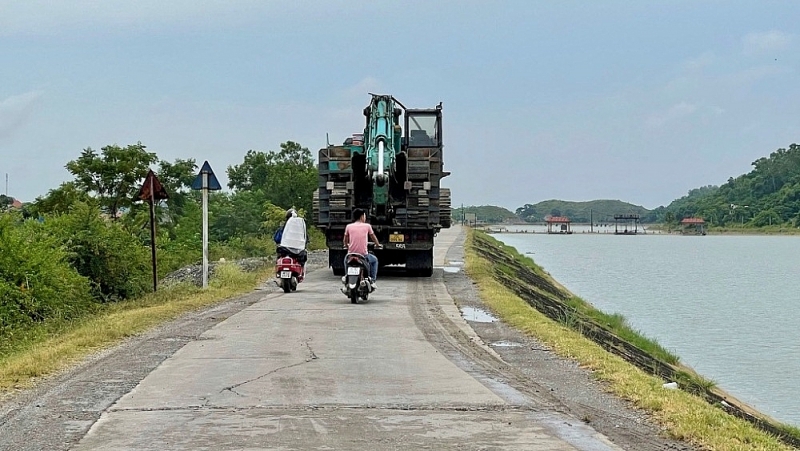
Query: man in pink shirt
x=355 y=240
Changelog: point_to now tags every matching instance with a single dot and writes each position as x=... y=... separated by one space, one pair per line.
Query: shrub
x=37 y=282
x=116 y=262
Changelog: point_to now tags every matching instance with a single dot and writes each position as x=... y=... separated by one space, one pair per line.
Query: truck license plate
x=353 y=271
x=397 y=238
x=286 y=274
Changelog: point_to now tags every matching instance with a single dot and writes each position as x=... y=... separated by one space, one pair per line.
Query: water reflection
x=477 y=315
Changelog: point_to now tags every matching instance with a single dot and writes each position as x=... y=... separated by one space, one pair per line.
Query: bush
x=244 y=247
x=117 y=263
x=317 y=239
x=37 y=282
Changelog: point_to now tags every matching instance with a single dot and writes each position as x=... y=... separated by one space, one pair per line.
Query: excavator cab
x=423 y=128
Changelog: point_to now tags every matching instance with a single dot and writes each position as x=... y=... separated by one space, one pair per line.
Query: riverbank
x=580 y=229
x=699 y=413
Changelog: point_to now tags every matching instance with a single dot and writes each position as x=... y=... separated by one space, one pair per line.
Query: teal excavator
x=393 y=170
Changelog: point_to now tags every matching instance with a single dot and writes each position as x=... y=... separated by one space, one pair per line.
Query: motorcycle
x=356 y=282
x=288 y=273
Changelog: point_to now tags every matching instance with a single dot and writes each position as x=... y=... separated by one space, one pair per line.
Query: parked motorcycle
x=288 y=273
x=356 y=282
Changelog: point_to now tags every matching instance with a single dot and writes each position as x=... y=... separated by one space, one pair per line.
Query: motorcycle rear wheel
x=286 y=284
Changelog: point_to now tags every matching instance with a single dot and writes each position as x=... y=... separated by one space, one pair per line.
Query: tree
x=528 y=213
x=177 y=180
x=59 y=200
x=235 y=215
x=669 y=219
x=286 y=178
x=768 y=194
x=114 y=175
x=274 y=217
x=5 y=202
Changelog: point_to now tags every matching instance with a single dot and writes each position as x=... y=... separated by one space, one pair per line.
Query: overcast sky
x=573 y=100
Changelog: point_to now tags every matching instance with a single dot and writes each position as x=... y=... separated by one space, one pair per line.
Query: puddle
x=456 y=263
x=451 y=269
x=506 y=344
x=477 y=315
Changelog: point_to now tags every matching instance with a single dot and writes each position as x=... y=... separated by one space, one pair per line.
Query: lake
x=728 y=306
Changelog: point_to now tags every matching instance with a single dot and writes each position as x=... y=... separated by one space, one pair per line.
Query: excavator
x=393 y=170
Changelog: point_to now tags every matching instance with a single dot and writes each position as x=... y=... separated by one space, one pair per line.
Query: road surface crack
x=312 y=356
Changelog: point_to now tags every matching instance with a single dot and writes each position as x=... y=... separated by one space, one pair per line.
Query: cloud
x=698 y=63
x=15 y=111
x=675 y=112
x=750 y=75
x=766 y=42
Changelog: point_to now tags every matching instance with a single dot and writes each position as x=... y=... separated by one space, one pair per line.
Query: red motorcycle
x=288 y=273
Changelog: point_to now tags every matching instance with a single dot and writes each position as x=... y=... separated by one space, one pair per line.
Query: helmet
x=291 y=213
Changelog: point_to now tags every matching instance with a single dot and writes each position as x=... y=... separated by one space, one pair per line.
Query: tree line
x=768 y=195
x=86 y=241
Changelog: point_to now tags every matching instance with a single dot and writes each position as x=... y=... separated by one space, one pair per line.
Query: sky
x=570 y=100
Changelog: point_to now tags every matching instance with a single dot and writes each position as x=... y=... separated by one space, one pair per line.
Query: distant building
x=558 y=224
x=693 y=226
x=8 y=202
x=626 y=224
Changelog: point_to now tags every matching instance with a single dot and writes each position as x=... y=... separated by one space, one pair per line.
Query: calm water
x=729 y=306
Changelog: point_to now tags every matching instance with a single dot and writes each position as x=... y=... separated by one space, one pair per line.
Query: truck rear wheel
x=336 y=261
x=420 y=263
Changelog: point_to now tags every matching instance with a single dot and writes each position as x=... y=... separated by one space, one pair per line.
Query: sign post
x=150 y=192
x=205 y=181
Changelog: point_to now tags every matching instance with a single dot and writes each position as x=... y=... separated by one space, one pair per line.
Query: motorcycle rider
x=292 y=238
x=355 y=240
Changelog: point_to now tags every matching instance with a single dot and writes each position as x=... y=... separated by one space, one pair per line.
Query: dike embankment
x=530 y=283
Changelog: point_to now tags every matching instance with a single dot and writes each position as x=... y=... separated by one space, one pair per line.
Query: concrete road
x=309 y=370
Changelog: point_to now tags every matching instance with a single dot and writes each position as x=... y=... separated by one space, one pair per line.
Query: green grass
x=52 y=347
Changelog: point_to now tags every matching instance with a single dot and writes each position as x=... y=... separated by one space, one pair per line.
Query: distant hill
x=768 y=195
x=598 y=210
x=486 y=213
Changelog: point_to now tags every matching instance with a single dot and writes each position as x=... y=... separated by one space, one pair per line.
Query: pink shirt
x=359 y=236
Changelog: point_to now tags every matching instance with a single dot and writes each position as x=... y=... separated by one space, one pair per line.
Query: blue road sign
x=213 y=183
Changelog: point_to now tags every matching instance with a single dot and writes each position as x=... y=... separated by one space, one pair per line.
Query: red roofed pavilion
x=693 y=226
x=561 y=223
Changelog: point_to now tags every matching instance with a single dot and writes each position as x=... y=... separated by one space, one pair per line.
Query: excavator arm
x=383 y=148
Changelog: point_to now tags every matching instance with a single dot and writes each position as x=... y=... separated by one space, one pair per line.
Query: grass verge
x=683 y=416
x=54 y=348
